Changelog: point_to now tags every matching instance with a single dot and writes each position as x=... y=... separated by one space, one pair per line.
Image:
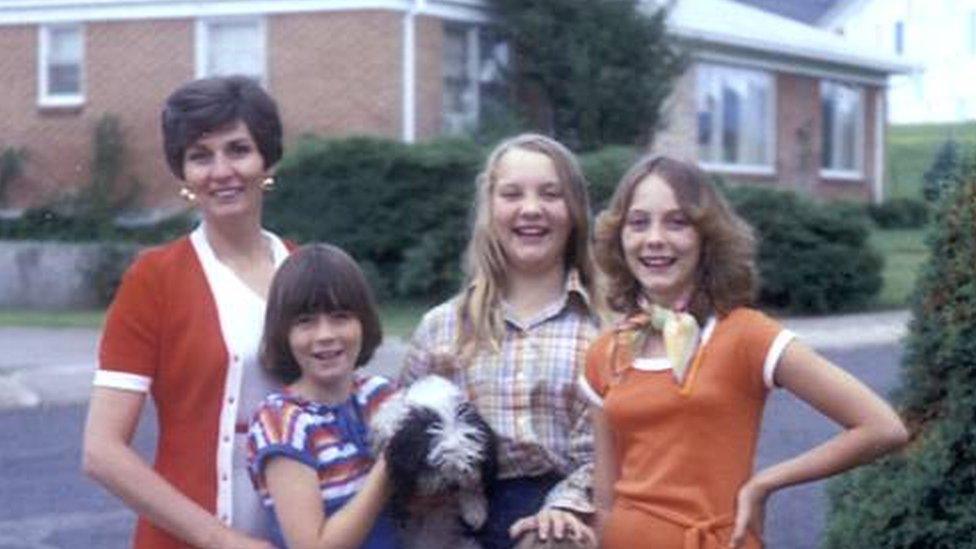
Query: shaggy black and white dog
x=441 y=457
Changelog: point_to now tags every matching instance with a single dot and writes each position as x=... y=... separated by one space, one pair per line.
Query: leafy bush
x=399 y=209
x=944 y=173
x=47 y=223
x=813 y=258
x=924 y=497
x=105 y=272
x=900 y=213
x=603 y=169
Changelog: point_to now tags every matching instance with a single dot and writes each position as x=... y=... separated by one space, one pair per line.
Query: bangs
x=320 y=288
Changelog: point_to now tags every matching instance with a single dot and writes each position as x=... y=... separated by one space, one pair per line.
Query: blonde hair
x=485 y=264
x=726 y=277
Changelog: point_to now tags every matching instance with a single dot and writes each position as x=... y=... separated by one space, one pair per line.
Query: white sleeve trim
x=589 y=393
x=122 y=380
x=773 y=355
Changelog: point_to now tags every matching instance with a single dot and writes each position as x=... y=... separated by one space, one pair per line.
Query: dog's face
x=436 y=442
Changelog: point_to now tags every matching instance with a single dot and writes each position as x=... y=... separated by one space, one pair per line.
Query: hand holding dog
x=557 y=522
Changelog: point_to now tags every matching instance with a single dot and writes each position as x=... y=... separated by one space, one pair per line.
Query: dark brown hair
x=316 y=278
x=208 y=104
x=726 y=277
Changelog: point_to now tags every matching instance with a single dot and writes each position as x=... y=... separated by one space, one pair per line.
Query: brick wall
x=332 y=73
x=677 y=137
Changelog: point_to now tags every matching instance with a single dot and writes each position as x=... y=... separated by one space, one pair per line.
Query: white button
x=237 y=358
x=223 y=477
x=224 y=518
x=226 y=438
x=230 y=400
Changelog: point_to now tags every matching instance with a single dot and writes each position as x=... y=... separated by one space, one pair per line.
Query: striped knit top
x=332 y=439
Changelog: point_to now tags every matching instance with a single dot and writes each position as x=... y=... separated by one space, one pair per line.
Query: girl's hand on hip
x=556 y=522
x=750 y=513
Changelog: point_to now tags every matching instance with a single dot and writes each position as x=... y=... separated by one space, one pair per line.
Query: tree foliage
x=924 y=497
x=600 y=68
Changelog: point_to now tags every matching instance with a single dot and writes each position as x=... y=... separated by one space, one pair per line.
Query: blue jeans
x=512 y=499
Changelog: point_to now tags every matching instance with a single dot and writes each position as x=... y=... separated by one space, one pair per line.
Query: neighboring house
x=406 y=69
x=770 y=99
x=937 y=35
x=766 y=98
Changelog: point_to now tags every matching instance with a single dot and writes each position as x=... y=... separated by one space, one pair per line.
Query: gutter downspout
x=409 y=92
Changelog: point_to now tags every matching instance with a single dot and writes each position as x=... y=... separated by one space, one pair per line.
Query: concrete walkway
x=54 y=366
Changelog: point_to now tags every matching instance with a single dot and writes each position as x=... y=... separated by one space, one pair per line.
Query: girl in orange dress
x=678 y=386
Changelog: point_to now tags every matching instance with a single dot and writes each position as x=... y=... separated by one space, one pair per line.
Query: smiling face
x=529 y=215
x=223 y=169
x=661 y=245
x=325 y=346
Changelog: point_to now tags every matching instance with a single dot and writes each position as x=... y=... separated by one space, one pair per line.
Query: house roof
x=730 y=29
x=804 y=11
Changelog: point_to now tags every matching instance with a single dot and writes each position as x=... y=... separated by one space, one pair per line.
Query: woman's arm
x=871 y=429
x=294 y=487
x=606 y=469
x=109 y=459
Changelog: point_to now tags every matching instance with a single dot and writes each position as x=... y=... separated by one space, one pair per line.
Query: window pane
x=63 y=61
x=64 y=45
x=64 y=79
x=458 y=100
x=733 y=115
x=234 y=48
x=843 y=116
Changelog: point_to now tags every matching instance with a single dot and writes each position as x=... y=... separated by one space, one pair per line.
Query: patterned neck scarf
x=679 y=329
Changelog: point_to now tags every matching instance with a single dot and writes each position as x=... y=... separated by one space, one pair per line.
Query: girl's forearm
x=848 y=449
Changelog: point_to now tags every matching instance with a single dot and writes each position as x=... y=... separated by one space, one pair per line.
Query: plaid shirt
x=527 y=390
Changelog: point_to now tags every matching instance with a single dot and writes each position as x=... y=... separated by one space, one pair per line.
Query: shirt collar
x=573 y=286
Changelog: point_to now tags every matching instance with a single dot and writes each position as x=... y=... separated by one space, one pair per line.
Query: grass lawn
x=398 y=318
x=905 y=252
x=911 y=149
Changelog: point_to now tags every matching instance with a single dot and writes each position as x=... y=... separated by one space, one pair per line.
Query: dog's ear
x=385 y=420
x=406 y=456
x=489 y=466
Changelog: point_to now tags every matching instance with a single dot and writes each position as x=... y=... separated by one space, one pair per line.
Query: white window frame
x=765 y=168
x=44 y=97
x=202 y=44
x=857 y=173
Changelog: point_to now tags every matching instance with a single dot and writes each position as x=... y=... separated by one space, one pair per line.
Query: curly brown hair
x=726 y=277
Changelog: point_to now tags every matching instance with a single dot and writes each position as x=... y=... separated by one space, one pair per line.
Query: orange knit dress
x=684 y=450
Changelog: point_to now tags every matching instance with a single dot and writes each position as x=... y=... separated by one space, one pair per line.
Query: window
x=899 y=37
x=843 y=129
x=231 y=46
x=735 y=118
x=61 y=57
x=474 y=59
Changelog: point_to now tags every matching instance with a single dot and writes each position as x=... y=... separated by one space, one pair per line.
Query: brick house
x=761 y=94
x=395 y=68
x=772 y=100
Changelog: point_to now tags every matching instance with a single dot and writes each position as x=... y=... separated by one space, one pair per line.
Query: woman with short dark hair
x=185 y=327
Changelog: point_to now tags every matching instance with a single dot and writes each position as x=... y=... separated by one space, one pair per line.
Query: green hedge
x=925 y=496
x=813 y=258
x=400 y=210
x=900 y=213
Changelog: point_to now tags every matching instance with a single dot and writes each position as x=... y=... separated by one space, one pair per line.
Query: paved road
x=46 y=504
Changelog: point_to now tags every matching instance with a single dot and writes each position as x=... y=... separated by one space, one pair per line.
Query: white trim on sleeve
x=122 y=380
x=589 y=393
x=772 y=356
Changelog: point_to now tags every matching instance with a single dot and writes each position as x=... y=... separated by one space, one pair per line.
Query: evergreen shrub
x=924 y=497
x=813 y=258
x=603 y=169
x=401 y=210
x=900 y=213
